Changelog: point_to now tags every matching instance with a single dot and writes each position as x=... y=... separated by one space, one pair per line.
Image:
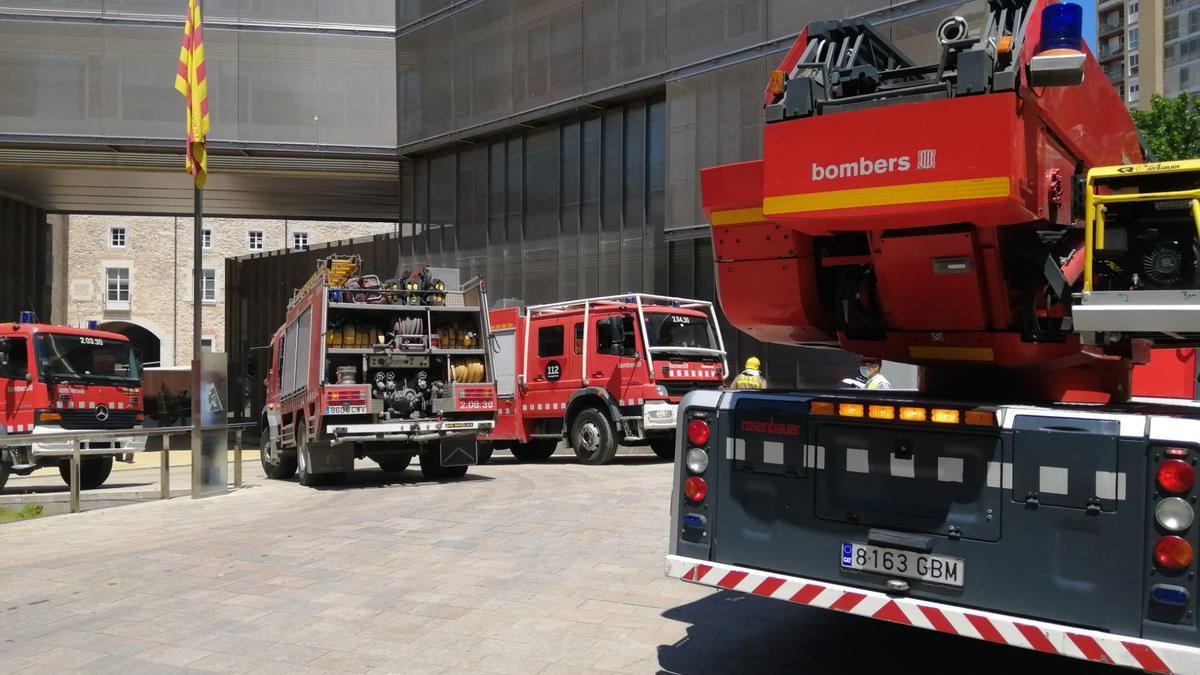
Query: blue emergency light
x=1062 y=27
x=1166 y=594
x=93 y=324
x=26 y=317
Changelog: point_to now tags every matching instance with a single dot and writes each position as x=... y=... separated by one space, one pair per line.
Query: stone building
x=132 y=274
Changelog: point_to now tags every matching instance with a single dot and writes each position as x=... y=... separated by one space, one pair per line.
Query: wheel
x=431 y=468
x=5 y=469
x=593 y=438
x=485 y=453
x=393 y=463
x=303 y=461
x=275 y=464
x=534 y=451
x=93 y=471
x=663 y=447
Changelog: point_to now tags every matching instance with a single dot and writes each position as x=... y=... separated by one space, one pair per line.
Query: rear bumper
x=1149 y=655
x=415 y=431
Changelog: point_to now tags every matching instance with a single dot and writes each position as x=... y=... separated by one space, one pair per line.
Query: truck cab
x=600 y=372
x=55 y=379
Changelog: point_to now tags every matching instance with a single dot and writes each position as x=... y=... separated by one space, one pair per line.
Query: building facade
x=133 y=274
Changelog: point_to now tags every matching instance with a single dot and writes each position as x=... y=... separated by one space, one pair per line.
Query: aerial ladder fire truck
x=989 y=218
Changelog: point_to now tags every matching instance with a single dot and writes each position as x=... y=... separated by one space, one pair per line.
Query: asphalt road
x=553 y=568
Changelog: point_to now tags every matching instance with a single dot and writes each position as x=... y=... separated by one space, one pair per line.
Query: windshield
x=679 y=330
x=83 y=358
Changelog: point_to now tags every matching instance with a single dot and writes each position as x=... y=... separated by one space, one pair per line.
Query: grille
x=681 y=388
x=86 y=419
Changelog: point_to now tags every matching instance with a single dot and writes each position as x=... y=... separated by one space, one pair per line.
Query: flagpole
x=197 y=327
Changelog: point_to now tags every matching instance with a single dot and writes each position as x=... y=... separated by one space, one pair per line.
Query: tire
x=5 y=469
x=275 y=464
x=93 y=471
x=663 y=447
x=303 y=461
x=593 y=438
x=534 y=451
x=432 y=469
x=485 y=453
x=393 y=463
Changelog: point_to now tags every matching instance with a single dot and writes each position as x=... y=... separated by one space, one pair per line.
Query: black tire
x=485 y=453
x=93 y=471
x=5 y=469
x=276 y=465
x=663 y=447
x=303 y=462
x=393 y=463
x=432 y=469
x=593 y=438
x=534 y=451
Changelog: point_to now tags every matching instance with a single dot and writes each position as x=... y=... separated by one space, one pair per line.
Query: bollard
x=237 y=458
x=75 y=475
x=164 y=469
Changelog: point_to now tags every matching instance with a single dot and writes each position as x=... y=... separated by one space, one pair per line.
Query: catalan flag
x=190 y=80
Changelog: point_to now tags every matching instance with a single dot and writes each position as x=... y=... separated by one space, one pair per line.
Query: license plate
x=938 y=569
x=346 y=410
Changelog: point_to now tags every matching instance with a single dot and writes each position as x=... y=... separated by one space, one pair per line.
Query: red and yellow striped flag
x=191 y=81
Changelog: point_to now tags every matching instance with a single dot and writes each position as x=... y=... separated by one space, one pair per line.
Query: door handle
x=598 y=374
x=539 y=378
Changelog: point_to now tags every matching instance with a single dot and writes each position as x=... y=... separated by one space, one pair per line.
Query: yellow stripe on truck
x=737 y=217
x=889 y=195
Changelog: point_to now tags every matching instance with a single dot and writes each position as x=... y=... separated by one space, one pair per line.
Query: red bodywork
x=940 y=189
x=627 y=381
x=22 y=399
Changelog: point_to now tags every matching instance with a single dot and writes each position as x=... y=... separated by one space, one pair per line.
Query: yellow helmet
x=753 y=363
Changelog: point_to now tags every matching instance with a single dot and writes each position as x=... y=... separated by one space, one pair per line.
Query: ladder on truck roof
x=627 y=300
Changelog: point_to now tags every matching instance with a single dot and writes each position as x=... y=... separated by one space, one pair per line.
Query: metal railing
x=76 y=454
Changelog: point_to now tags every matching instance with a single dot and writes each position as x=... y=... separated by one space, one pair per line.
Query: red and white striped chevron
x=1148 y=655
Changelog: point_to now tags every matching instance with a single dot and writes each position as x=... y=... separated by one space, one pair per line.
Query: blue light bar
x=1062 y=27
x=1165 y=594
x=26 y=317
x=93 y=324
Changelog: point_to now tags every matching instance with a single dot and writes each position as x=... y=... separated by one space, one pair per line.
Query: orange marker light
x=821 y=408
x=850 y=409
x=944 y=416
x=881 y=412
x=776 y=85
x=980 y=418
x=1004 y=45
x=912 y=414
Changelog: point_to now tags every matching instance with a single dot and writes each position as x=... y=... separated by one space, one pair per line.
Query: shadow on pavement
x=619 y=460
x=736 y=633
x=63 y=489
x=365 y=478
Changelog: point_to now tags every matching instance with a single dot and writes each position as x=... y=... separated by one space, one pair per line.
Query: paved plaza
x=553 y=568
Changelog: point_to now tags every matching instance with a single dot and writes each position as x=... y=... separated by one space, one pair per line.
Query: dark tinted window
x=606 y=342
x=550 y=341
x=18 y=358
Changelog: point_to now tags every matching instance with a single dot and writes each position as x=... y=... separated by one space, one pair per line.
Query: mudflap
x=325 y=458
x=458 y=451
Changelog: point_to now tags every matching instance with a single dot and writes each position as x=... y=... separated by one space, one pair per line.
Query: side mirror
x=616 y=330
x=4 y=355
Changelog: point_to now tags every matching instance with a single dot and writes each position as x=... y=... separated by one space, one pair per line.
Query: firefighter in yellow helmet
x=751 y=376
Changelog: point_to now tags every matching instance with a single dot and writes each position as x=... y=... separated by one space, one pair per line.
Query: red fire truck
x=601 y=372
x=384 y=369
x=982 y=217
x=55 y=379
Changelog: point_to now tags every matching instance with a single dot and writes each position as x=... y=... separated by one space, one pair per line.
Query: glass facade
x=280 y=71
x=1181 y=46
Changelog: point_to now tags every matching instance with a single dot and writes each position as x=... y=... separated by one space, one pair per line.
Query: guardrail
x=76 y=453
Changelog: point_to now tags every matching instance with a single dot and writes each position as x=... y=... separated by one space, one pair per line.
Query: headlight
x=662 y=391
x=697 y=460
x=1174 y=514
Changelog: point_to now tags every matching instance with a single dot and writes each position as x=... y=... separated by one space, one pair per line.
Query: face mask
x=865 y=371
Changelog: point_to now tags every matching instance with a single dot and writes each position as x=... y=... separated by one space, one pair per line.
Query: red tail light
x=1176 y=476
x=1173 y=553
x=695 y=489
x=698 y=432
